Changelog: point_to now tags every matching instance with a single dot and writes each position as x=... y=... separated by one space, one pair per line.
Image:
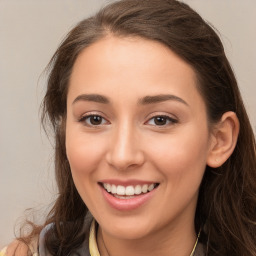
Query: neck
x=173 y=241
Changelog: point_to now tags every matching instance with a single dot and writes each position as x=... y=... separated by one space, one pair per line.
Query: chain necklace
x=94 y=250
x=195 y=245
x=191 y=254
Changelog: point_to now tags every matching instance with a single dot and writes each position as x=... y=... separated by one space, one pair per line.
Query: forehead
x=131 y=66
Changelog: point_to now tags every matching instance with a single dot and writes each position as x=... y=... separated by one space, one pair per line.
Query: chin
x=129 y=233
x=128 y=229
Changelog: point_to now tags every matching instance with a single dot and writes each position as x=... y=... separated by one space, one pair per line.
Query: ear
x=224 y=139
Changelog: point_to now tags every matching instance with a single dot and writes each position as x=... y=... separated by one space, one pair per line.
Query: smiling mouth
x=128 y=192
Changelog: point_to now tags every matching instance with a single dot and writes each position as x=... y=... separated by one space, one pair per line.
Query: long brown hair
x=227 y=200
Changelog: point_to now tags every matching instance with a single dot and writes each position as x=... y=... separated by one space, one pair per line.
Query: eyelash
x=89 y=117
x=165 y=118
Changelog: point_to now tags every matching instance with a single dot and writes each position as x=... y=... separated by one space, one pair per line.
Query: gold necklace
x=195 y=245
x=94 y=248
x=191 y=254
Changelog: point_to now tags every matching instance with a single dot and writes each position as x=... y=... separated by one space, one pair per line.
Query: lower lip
x=127 y=204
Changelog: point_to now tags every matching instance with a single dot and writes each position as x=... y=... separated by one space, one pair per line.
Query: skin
x=129 y=145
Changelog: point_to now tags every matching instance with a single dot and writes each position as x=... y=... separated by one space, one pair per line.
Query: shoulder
x=38 y=247
x=18 y=248
x=83 y=249
x=3 y=251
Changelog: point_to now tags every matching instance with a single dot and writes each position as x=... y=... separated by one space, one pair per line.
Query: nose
x=125 y=150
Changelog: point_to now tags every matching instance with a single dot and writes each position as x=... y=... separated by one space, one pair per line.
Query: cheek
x=181 y=155
x=181 y=159
x=81 y=157
x=84 y=154
x=85 y=157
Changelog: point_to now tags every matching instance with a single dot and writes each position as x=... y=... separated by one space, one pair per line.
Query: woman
x=155 y=154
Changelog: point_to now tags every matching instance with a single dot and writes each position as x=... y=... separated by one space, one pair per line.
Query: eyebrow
x=143 y=101
x=92 y=97
x=160 y=98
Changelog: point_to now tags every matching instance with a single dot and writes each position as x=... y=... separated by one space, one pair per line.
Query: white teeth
x=145 y=188
x=126 y=192
x=123 y=197
x=129 y=191
x=113 y=189
x=108 y=187
x=137 y=189
x=151 y=187
x=120 y=190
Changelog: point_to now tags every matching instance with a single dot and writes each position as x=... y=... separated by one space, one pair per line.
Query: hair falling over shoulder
x=226 y=209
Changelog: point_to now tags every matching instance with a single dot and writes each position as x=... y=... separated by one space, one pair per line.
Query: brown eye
x=162 y=121
x=93 y=120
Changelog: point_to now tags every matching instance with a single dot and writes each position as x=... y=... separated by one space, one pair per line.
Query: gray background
x=30 y=32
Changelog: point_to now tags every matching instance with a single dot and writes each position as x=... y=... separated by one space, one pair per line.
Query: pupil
x=160 y=120
x=95 y=120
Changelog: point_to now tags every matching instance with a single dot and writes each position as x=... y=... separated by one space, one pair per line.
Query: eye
x=161 y=120
x=93 y=120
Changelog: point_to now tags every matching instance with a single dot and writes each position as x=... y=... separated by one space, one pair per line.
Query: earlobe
x=224 y=139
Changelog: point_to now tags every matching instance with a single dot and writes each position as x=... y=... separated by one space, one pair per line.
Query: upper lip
x=131 y=182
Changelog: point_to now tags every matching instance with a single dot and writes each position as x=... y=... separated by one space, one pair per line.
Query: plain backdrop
x=30 y=31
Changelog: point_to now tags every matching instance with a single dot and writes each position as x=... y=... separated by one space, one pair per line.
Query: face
x=137 y=137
